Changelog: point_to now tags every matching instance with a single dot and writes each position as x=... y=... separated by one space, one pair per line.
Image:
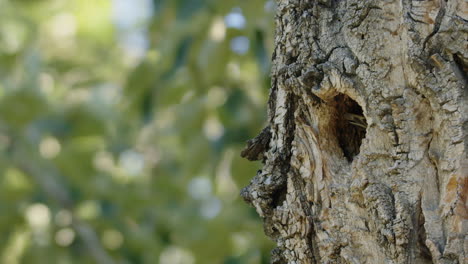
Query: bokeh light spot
x=235 y=19
x=63 y=218
x=218 y=30
x=12 y=37
x=88 y=210
x=176 y=255
x=38 y=216
x=241 y=243
x=213 y=129
x=216 y=97
x=46 y=82
x=63 y=26
x=132 y=162
x=200 y=188
x=210 y=208
x=49 y=147
x=112 y=239
x=64 y=237
x=240 y=45
x=16 y=179
x=104 y=161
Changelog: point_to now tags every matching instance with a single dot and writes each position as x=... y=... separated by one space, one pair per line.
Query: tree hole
x=350 y=125
x=279 y=196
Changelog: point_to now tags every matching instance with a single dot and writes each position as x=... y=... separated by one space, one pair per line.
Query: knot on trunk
x=257 y=146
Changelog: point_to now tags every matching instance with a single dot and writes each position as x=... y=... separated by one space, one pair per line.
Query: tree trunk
x=365 y=155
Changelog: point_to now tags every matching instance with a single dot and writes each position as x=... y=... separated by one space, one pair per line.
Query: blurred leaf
x=20 y=107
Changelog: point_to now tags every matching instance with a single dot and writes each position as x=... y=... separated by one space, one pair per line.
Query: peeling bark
x=365 y=155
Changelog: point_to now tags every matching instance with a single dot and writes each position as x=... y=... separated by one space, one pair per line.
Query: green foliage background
x=111 y=157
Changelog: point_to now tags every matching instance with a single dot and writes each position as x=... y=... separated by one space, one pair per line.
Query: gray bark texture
x=365 y=156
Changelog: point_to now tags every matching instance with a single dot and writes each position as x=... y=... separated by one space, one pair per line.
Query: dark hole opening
x=279 y=196
x=350 y=126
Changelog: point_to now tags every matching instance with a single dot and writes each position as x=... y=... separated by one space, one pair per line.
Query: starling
x=356 y=120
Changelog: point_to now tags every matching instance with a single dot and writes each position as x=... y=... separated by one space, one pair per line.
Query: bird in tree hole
x=351 y=125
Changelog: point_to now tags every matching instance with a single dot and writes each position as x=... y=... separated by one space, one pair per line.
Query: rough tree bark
x=365 y=155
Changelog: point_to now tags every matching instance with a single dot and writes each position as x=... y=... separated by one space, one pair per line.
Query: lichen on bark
x=365 y=155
